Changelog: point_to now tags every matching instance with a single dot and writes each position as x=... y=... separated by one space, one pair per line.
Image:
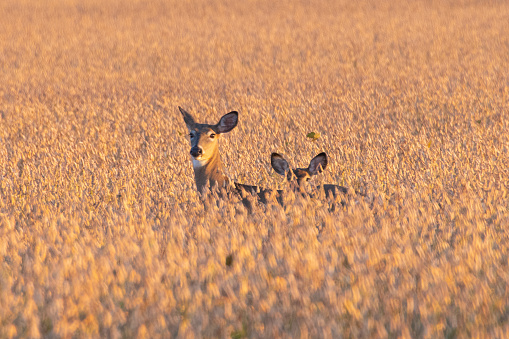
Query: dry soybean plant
x=102 y=230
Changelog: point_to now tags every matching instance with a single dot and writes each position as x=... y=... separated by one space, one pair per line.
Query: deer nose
x=196 y=151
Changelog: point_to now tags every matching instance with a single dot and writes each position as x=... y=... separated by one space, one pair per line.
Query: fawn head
x=299 y=176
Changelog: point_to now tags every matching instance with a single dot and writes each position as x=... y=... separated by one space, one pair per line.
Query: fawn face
x=298 y=177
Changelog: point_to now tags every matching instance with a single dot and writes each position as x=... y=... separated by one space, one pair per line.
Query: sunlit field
x=102 y=231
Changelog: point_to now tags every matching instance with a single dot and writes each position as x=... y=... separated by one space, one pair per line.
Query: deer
x=299 y=177
x=207 y=165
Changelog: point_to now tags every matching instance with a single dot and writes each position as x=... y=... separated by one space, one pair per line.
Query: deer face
x=298 y=176
x=204 y=137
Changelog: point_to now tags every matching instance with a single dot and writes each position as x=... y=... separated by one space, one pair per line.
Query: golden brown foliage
x=103 y=234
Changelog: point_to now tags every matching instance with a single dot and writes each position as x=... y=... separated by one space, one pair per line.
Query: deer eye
x=212 y=135
x=307 y=179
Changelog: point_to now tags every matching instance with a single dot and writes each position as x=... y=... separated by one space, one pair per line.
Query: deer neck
x=210 y=173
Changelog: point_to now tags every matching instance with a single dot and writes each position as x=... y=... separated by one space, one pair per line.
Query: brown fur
x=208 y=168
x=299 y=177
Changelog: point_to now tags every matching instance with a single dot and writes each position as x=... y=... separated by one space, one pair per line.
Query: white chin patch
x=199 y=163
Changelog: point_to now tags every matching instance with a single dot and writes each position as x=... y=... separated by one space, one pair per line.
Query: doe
x=207 y=165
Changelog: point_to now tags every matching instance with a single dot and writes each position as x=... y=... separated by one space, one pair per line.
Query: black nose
x=196 y=151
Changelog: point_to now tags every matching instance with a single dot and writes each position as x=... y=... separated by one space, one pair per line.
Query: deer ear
x=279 y=164
x=227 y=122
x=318 y=164
x=188 y=119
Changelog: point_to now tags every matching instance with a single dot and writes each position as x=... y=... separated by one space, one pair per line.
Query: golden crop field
x=103 y=233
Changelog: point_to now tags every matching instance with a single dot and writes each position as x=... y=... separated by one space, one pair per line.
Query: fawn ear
x=227 y=122
x=188 y=119
x=318 y=164
x=279 y=164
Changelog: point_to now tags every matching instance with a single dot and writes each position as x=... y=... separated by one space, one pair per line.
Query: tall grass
x=104 y=235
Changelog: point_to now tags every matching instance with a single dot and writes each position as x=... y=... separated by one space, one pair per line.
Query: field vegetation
x=102 y=231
